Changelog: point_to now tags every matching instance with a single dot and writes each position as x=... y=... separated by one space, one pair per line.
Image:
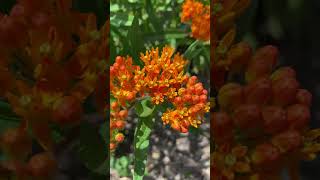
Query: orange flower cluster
x=261 y=128
x=225 y=13
x=267 y=117
x=51 y=59
x=163 y=79
x=224 y=32
x=199 y=15
x=191 y=105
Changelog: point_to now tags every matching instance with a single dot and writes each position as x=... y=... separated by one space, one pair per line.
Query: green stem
x=141 y=145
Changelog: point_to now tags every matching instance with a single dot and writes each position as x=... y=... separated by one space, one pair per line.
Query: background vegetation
x=136 y=26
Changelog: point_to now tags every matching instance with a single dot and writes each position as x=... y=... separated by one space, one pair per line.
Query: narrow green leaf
x=153 y=18
x=141 y=145
x=191 y=48
x=6 y=110
x=6 y=123
x=135 y=39
x=144 y=108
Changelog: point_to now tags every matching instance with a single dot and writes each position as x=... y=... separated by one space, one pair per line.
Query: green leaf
x=188 y=53
x=114 y=8
x=122 y=165
x=135 y=39
x=92 y=149
x=6 y=123
x=144 y=145
x=144 y=108
x=6 y=110
x=6 y=6
x=141 y=145
x=153 y=18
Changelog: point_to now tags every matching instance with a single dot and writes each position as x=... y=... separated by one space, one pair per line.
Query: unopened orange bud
x=239 y=55
x=298 y=116
x=248 y=116
x=116 y=66
x=42 y=165
x=123 y=113
x=16 y=142
x=267 y=53
x=304 y=97
x=122 y=68
x=191 y=90
x=112 y=146
x=187 y=97
x=265 y=155
x=198 y=85
x=287 y=141
x=185 y=124
x=175 y=125
x=274 y=118
x=120 y=124
x=203 y=98
x=114 y=105
x=119 y=60
x=283 y=72
x=284 y=91
x=198 y=89
x=195 y=99
x=192 y=80
x=200 y=105
x=67 y=111
x=112 y=125
x=230 y=96
x=177 y=100
x=184 y=129
x=130 y=96
x=205 y=92
x=262 y=63
x=258 y=92
x=119 y=137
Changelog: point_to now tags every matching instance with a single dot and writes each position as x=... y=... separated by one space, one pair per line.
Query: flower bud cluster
x=199 y=15
x=268 y=115
x=162 y=78
x=51 y=59
x=117 y=123
x=223 y=51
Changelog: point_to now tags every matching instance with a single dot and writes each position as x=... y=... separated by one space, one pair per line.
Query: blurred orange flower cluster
x=162 y=78
x=224 y=14
x=51 y=59
x=224 y=31
x=268 y=116
x=260 y=127
x=199 y=16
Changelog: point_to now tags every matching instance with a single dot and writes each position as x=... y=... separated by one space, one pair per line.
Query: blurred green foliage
x=139 y=25
x=122 y=165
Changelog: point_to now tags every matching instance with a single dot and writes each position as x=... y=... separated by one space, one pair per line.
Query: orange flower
x=199 y=15
x=59 y=60
x=163 y=79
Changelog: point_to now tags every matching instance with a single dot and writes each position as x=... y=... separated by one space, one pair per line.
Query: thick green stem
x=141 y=145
